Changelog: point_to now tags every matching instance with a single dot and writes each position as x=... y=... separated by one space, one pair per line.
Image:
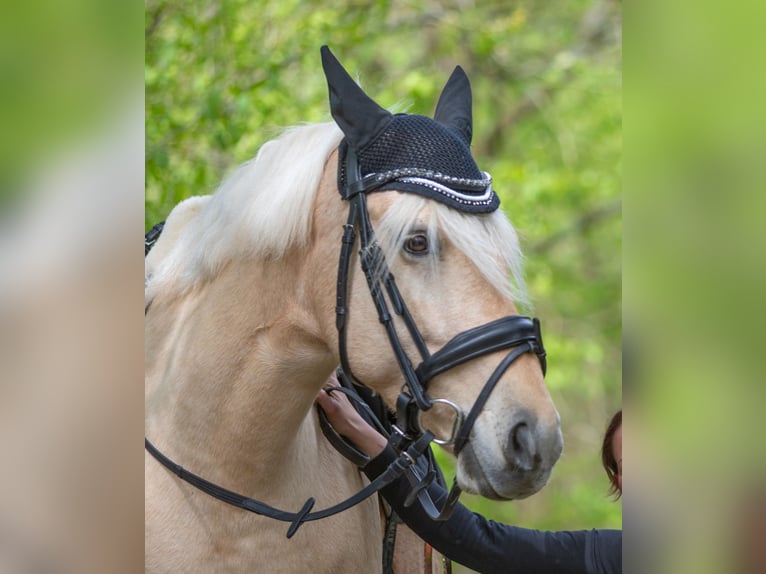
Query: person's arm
x=468 y=538
x=487 y=546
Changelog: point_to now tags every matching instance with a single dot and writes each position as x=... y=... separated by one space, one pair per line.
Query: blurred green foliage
x=64 y=69
x=223 y=77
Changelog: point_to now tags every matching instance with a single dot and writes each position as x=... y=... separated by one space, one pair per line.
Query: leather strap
x=345 y=448
x=501 y=334
x=405 y=460
x=152 y=236
x=478 y=405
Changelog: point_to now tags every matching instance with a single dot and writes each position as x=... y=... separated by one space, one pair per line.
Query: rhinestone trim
x=434 y=176
x=483 y=199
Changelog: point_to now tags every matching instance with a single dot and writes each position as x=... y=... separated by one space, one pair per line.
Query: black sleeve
x=487 y=546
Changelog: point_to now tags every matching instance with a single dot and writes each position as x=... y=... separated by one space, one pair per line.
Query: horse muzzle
x=524 y=466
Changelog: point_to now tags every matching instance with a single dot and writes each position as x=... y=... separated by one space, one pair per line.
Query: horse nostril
x=521 y=447
x=519 y=434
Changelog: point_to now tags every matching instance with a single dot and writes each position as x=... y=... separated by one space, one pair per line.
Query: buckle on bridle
x=399 y=439
x=409 y=418
x=456 y=424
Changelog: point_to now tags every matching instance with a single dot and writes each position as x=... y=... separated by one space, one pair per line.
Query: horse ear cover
x=358 y=116
x=454 y=109
x=408 y=152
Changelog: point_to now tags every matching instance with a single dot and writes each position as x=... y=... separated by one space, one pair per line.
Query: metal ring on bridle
x=458 y=422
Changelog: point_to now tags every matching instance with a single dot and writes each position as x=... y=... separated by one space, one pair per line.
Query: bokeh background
x=223 y=77
x=72 y=188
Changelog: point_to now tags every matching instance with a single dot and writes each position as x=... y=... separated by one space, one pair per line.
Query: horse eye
x=417 y=244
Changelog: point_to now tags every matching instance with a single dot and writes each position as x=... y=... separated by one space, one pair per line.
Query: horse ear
x=357 y=115
x=454 y=107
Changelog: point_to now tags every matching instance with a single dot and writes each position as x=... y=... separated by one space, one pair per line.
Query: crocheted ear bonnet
x=408 y=152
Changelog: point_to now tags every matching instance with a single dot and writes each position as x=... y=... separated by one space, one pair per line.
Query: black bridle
x=518 y=333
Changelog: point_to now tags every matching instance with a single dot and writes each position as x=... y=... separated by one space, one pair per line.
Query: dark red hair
x=607 y=456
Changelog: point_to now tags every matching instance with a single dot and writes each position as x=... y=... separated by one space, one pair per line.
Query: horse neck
x=232 y=371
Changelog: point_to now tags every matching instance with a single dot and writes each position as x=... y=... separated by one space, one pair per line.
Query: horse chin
x=506 y=483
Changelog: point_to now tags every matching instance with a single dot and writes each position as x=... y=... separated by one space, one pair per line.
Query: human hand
x=346 y=421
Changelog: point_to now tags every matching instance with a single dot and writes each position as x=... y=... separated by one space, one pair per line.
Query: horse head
x=436 y=340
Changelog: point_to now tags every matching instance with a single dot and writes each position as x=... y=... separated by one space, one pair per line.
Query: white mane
x=260 y=210
x=264 y=208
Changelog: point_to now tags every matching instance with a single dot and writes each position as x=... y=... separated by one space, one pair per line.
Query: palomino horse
x=241 y=295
